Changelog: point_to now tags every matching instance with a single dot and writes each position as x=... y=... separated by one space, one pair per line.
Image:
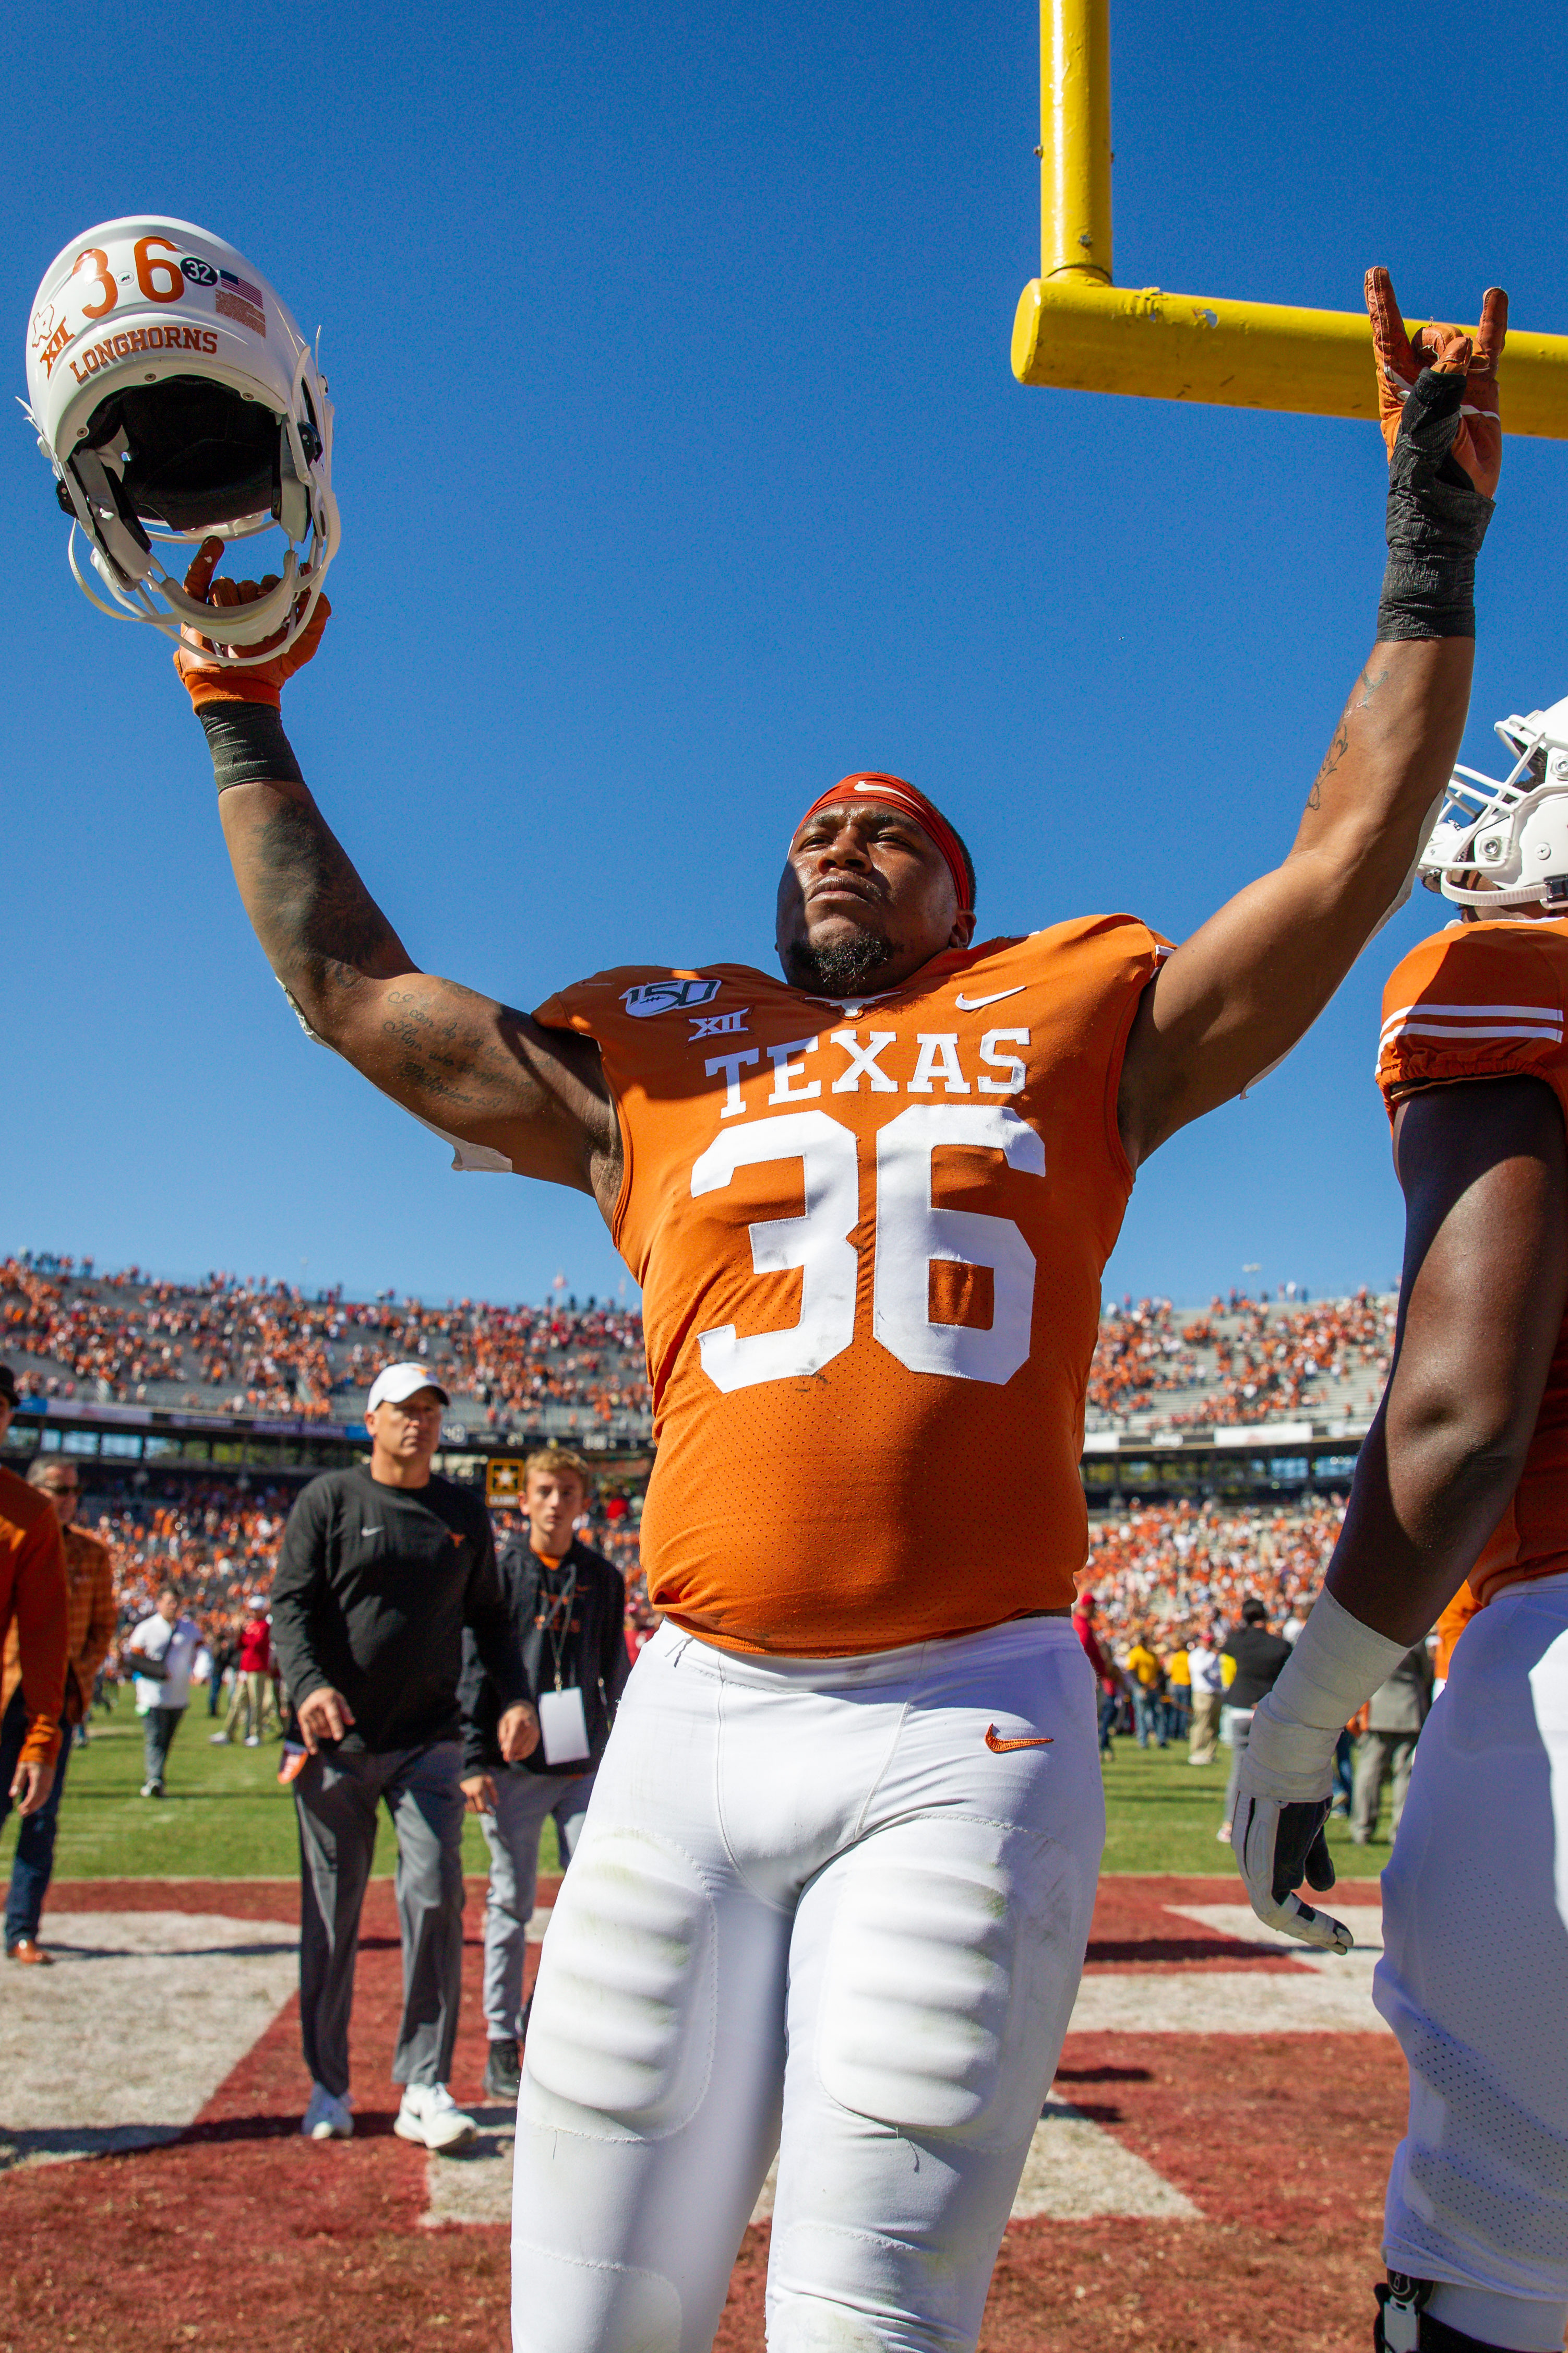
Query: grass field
x=225 y=1818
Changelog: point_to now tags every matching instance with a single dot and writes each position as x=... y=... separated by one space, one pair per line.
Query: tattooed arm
x=1238 y=995
x=460 y=1060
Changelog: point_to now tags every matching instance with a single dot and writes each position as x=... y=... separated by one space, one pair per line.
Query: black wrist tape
x=1436 y=520
x=248 y=745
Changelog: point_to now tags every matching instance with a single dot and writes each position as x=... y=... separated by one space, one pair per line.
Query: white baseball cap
x=395 y=1382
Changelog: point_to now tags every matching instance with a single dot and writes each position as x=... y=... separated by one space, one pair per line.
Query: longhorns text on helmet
x=1505 y=844
x=153 y=306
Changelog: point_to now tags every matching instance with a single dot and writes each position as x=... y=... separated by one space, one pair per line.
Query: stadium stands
x=249 y=1347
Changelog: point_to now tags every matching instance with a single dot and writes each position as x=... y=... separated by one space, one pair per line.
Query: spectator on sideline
x=1208 y=1679
x=1260 y=1657
x=1178 y=1704
x=569 y=1605
x=252 y=1677
x=381 y=1570
x=1395 y=1715
x=1148 y=1689
x=1109 y=1677
x=224 y=1651
x=32 y=1598
x=163 y=1650
x=90 y=1606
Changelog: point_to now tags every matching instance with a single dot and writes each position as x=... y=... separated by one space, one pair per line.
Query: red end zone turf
x=1270 y=2147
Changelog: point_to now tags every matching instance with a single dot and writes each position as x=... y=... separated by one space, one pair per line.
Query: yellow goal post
x=1076 y=330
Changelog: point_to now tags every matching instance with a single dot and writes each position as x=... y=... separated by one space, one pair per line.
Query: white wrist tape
x=1335 y=1667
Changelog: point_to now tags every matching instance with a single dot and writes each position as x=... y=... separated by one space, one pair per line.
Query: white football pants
x=1474 y=1981
x=807 y=1896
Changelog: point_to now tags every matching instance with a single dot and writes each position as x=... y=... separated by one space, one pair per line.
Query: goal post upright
x=1078 y=331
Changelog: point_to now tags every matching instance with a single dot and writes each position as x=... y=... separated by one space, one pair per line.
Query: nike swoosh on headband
x=999 y=1747
x=973 y=1004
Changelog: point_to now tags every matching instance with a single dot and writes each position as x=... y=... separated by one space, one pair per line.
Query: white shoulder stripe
x=1476 y=1012
x=1451 y=1030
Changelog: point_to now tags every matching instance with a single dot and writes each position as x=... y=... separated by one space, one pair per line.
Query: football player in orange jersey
x=1464 y=1475
x=835 y=1883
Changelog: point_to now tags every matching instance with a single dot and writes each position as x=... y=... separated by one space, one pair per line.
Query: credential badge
x=651 y=996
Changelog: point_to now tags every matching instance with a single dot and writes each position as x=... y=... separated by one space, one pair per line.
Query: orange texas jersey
x=1486 y=1001
x=1450 y=1626
x=869 y=1235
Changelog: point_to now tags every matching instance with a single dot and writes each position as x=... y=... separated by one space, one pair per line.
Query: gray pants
x=159 y=1727
x=336 y=1798
x=1378 y=1754
x=524 y=1803
x=1235 y=1725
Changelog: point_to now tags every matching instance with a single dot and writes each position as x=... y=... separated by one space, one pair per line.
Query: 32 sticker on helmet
x=175 y=399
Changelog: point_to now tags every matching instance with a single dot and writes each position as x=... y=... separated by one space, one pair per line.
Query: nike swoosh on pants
x=995 y=1742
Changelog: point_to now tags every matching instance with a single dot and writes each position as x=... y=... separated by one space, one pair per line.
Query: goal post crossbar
x=1076 y=330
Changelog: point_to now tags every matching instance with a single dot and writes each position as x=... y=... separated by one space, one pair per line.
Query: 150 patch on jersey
x=652 y=996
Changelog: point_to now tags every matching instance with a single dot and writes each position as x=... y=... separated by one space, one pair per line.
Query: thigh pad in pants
x=946 y=1987
x=622 y=2027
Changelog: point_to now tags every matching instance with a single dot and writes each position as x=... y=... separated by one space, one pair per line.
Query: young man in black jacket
x=569 y=1607
x=385 y=1573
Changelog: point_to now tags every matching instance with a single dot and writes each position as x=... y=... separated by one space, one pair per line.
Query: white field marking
x=125 y=2039
x=1328 y=1993
x=1364 y=1922
x=1075 y=2168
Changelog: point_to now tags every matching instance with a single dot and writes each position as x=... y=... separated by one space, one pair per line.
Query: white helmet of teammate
x=1513 y=836
x=175 y=398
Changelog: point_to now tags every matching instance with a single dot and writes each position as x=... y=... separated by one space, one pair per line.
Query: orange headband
x=872 y=786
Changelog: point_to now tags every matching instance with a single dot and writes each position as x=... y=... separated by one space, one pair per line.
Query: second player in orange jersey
x=835 y=1885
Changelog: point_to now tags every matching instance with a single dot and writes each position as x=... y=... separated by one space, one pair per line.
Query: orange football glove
x=209 y=682
x=1452 y=350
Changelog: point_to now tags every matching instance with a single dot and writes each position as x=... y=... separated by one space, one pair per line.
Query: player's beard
x=840 y=967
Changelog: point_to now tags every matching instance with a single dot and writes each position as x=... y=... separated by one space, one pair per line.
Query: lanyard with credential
x=560 y=1612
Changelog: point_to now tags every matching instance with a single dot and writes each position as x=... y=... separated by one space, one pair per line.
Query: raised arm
x=1236 y=996
x=468 y=1065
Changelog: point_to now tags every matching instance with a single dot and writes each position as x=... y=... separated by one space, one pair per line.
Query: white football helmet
x=1512 y=836
x=176 y=398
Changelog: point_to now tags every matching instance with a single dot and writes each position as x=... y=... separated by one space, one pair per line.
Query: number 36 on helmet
x=175 y=398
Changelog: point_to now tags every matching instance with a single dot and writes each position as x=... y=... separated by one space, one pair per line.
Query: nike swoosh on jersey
x=999 y=1747
x=370 y=1532
x=973 y=1004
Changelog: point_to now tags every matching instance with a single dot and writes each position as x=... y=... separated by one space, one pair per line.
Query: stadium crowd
x=260 y=1347
x=1243 y=1361
x=255 y=1348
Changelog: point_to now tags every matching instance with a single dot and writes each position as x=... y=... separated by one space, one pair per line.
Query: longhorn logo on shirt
x=671 y=996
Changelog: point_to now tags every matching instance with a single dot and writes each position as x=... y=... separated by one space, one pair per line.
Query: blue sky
x=681 y=470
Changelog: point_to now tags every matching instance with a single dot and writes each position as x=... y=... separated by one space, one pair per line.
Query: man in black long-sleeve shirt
x=381 y=1570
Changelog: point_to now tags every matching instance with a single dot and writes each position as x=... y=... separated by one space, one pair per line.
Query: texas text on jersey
x=1487 y=1001
x=870 y=1237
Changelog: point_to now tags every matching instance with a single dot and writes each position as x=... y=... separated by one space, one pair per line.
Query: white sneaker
x=217 y=1740
x=327 y=2118
x=431 y=2117
x=253 y=1739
